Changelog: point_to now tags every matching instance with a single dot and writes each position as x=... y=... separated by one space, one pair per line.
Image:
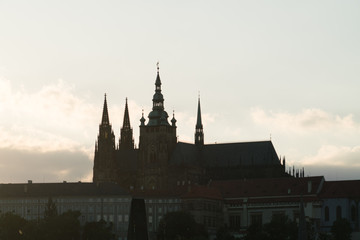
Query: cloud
x=307 y=121
x=47 y=134
x=22 y=165
x=51 y=119
x=335 y=156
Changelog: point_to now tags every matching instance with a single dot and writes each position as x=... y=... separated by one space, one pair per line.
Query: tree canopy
x=180 y=225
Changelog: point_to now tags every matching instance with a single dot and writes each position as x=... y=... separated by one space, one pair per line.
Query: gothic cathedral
x=161 y=162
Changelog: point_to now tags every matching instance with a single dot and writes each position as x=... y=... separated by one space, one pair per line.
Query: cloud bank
x=335 y=149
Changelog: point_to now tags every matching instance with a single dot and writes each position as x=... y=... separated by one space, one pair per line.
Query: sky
x=288 y=71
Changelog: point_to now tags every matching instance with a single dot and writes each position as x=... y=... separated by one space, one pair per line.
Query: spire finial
x=157 y=66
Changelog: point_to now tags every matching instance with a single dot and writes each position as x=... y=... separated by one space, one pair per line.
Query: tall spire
x=126 y=122
x=158 y=116
x=199 y=133
x=105 y=115
x=126 y=134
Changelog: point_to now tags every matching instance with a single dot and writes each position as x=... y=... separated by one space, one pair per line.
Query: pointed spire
x=126 y=134
x=126 y=122
x=158 y=116
x=198 y=121
x=199 y=134
x=105 y=115
x=158 y=82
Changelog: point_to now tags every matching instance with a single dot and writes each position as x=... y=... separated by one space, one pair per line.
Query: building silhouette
x=161 y=162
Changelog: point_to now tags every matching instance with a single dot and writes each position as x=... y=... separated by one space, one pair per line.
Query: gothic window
x=338 y=212
x=327 y=217
x=353 y=213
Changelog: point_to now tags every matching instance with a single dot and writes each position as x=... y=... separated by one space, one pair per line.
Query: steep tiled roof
x=60 y=189
x=341 y=189
x=226 y=155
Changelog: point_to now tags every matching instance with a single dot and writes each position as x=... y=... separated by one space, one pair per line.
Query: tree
x=341 y=229
x=50 y=209
x=64 y=226
x=98 y=231
x=180 y=225
x=11 y=226
x=223 y=233
x=280 y=228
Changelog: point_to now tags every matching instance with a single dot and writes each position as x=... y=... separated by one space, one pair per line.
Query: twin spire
x=126 y=135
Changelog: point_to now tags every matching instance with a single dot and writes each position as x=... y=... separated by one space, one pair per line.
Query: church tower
x=126 y=133
x=104 y=161
x=157 y=142
x=199 y=133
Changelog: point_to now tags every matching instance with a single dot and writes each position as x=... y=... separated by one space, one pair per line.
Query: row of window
x=339 y=213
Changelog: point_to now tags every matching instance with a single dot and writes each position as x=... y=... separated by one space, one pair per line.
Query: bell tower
x=104 y=160
x=157 y=142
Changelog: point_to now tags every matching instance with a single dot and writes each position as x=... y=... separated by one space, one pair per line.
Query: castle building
x=162 y=162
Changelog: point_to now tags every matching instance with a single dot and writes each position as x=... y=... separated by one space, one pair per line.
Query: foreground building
x=105 y=201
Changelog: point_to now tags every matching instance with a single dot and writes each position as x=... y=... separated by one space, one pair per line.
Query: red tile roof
x=341 y=189
x=271 y=187
x=207 y=192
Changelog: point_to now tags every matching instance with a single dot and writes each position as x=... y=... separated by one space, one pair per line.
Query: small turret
x=142 y=119
x=173 y=120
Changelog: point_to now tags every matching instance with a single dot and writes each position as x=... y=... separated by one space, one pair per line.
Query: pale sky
x=289 y=69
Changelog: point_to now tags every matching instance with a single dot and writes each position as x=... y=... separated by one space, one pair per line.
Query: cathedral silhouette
x=161 y=162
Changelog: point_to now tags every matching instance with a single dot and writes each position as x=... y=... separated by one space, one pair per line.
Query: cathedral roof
x=226 y=155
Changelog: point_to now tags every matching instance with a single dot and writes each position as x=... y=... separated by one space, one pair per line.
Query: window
x=353 y=213
x=256 y=219
x=234 y=222
x=338 y=212
x=327 y=217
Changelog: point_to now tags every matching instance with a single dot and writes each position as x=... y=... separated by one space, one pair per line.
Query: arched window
x=353 y=213
x=327 y=217
x=338 y=212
